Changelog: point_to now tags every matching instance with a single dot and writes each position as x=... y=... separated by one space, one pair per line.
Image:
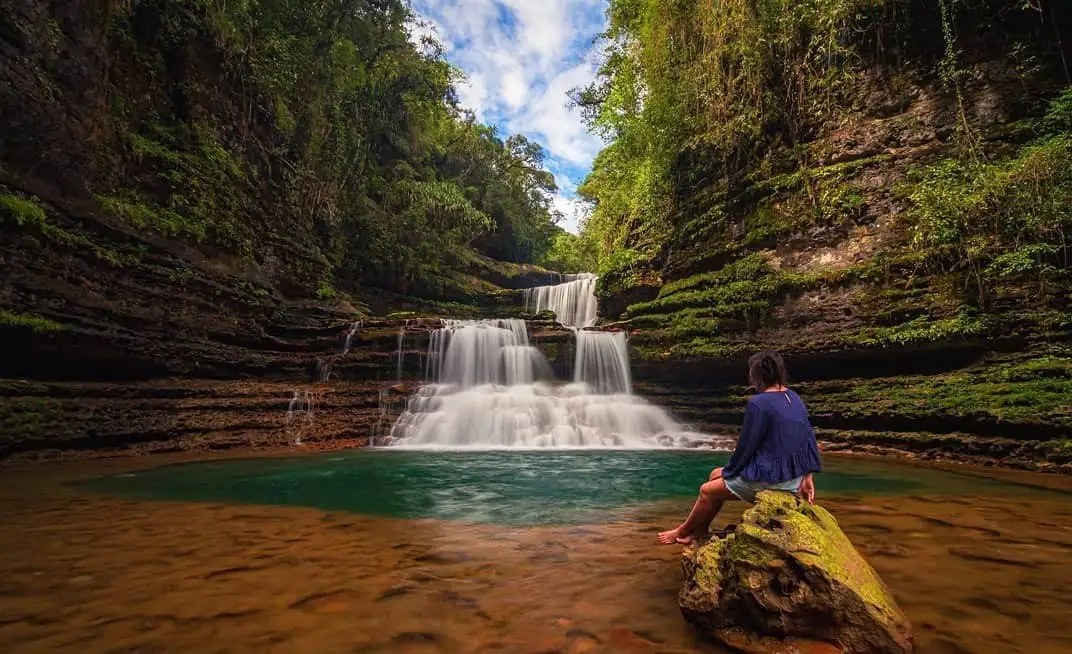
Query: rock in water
x=787 y=579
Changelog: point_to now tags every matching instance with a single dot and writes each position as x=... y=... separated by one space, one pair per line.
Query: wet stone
x=395 y=591
x=417 y=637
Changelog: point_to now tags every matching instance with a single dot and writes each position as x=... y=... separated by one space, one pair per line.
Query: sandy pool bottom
x=86 y=573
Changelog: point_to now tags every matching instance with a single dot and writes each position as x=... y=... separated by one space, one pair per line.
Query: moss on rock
x=787 y=571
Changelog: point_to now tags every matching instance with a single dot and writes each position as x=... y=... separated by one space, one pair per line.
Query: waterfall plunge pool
x=518 y=551
x=514 y=487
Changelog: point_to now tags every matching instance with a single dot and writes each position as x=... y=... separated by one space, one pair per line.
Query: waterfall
x=602 y=362
x=350 y=336
x=573 y=302
x=401 y=344
x=300 y=414
x=489 y=388
x=323 y=370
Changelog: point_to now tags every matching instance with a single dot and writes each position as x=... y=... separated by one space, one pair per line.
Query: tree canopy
x=370 y=146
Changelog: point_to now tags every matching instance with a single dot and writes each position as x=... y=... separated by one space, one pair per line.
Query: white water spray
x=602 y=362
x=491 y=390
x=573 y=302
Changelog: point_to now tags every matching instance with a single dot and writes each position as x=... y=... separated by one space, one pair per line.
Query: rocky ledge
x=788 y=579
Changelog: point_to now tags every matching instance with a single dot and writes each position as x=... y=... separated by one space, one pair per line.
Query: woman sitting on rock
x=776 y=450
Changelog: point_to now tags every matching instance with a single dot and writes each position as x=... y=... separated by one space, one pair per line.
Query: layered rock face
x=157 y=258
x=821 y=251
x=787 y=576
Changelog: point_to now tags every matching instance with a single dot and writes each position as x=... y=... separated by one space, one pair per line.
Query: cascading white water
x=573 y=302
x=602 y=362
x=300 y=414
x=354 y=327
x=491 y=391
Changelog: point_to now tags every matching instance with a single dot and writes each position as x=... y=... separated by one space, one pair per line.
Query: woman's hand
x=807 y=489
x=715 y=474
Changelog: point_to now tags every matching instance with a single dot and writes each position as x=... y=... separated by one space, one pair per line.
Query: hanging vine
x=951 y=74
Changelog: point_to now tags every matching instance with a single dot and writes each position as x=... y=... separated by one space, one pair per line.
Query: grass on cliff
x=1028 y=390
x=204 y=186
x=24 y=210
x=1031 y=389
x=1057 y=451
x=738 y=290
x=998 y=223
x=29 y=214
x=34 y=322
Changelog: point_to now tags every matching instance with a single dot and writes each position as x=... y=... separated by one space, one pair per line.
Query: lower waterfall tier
x=535 y=416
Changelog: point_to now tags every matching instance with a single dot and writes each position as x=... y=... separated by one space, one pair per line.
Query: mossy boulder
x=787 y=576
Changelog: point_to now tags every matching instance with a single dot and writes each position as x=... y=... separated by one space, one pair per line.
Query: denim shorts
x=746 y=490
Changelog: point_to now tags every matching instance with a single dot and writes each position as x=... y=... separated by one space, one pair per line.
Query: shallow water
x=979 y=565
x=515 y=487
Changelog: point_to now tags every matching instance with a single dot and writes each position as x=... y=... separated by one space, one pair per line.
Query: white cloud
x=565 y=184
x=573 y=211
x=543 y=28
x=521 y=57
x=554 y=124
x=473 y=93
x=514 y=88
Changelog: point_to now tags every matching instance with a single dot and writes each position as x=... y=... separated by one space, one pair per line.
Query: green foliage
x=1058 y=118
x=381 y=159
x=139 y=213
x=336 y=132
x=570 y=253
x=744 y=291
x=201 y=184
x=30 y=321
x=25 y=210
x=727 y=80
x=1029 y=389
x=325 y=292
x=1002 y=221
x=714 y=114
x=621 y=270
x=965 y=323
x=27 y=213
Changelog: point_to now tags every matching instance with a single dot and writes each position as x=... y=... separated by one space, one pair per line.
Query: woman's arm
x=752 y=431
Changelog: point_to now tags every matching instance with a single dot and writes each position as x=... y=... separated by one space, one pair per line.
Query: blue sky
x=520 y=58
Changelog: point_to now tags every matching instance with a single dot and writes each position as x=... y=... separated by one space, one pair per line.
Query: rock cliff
x=159 y=245
x=869 y=231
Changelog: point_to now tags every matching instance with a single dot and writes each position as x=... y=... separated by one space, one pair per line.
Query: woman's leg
x=713 y=495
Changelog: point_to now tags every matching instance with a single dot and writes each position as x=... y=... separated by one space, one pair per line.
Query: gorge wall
x=893 y=217
x=196 y=195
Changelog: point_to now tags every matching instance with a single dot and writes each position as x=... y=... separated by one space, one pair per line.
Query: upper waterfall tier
x=573 y=301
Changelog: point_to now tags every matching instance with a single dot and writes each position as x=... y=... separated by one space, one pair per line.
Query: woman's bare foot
x=685 y=540
x=670 y=537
